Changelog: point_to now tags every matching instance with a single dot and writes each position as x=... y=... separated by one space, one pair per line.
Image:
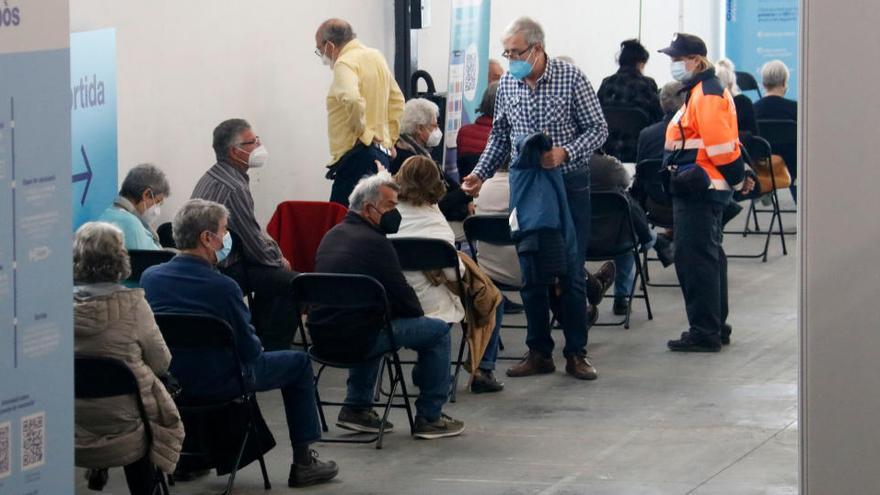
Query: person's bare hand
x=471 y=185
x=393 y=151
x=379 y=166
x=554 y=158
x=748 y=185
x=472 y=208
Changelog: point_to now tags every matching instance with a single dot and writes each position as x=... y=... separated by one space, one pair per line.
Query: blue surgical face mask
x=520 y=69
x=679 y=71
x=223 y=252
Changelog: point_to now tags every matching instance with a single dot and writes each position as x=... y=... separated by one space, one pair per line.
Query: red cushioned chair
x=299 y=226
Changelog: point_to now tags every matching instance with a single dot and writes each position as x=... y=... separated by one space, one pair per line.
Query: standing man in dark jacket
x=358 y=246
x=543 y=94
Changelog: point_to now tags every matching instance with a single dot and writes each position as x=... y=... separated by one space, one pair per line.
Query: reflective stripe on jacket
x=711 y=135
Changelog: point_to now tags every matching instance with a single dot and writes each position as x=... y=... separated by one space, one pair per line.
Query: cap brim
x=672 y=52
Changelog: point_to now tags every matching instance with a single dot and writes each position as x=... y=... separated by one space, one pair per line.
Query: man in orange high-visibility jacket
x=703 y=132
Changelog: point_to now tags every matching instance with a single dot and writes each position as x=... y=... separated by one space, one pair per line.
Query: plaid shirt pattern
x=562 y=105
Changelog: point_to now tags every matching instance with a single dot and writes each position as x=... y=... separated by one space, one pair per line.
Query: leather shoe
x=580 y=367
x=664 y=249
x=599 y=281
x=532 y=364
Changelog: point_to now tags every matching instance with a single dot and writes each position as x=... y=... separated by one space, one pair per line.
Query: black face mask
x=389 y=222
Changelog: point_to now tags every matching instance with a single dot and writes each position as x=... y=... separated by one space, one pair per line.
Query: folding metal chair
x=747 y=82
x=419 y=255
x=657 y=203
x=141 y=259
x=782 y=136
x=360 y=293
x=189 y=334
x=612 y=234
x=98 y=377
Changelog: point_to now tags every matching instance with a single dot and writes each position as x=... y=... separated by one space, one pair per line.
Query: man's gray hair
x=226 y=135
x=369 y=191
x=99 y=254
x=774 y=74
x=193 y=218
x=671 y=97
x=336 y=31
x=530 y=28
x=416 y=112
x=142 y=177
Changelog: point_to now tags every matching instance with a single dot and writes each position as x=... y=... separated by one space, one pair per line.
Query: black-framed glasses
x=319 y=53
x=255 y=140
x=516 y=55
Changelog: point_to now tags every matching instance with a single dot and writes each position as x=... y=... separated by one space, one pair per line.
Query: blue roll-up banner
x=762 y=30
x=93 y=122
x=468 y=69
x=36 y=322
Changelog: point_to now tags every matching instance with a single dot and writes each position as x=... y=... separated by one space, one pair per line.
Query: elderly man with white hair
x=540 y=93
x=190 y=283
x=359 y=246
x=419 y=133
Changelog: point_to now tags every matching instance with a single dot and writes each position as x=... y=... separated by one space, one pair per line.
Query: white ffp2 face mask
x=434 y=138
x=151 y=215
x=679 y=71
x=258 y=157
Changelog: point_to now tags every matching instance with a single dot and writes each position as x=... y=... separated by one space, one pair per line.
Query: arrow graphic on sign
x=84 y=176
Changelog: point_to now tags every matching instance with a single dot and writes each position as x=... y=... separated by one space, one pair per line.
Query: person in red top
x=472 y=138
x=702 y=146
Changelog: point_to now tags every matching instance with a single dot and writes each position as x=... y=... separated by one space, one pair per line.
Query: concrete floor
x=654 y=422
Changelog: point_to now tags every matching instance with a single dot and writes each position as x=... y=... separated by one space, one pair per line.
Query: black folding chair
x=757 y=153
x=494 y=230
x=624 y=126
x=612 y=234
x=419 y=255
x=360 y=293
x=98 y=377
x=657 y=203
x=747 y=82
x=197 y=333
x=166 y=236
x=141 y=259
x=782 y=136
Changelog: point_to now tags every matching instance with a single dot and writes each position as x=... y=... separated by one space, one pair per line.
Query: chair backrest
x=299 y=226
x=491 y=229
x=611 y=227
x=747 y=82
x=419 y=254
x=652 y=194
x=96 y=377
x=624 y=126
x=339 y=290
x=141 y=259
x=756 y=150
x=166 y=235
x=778 y=132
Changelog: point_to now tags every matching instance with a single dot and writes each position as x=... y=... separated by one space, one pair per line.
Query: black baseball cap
x=685 y=44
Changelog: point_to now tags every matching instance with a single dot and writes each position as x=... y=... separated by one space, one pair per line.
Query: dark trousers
x=291 y=372
x=358 y=162
x=140 y=476
x=274 y=313
x=572 y=301
x=701 y=265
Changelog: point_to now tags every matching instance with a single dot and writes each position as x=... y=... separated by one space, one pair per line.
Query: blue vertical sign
x=762 y=30
x=468 y=69
x=93 y=123
x=36 y=330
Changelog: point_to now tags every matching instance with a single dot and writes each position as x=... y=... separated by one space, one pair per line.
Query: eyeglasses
x=319 y=53
x=256 y=140
x=514 y=55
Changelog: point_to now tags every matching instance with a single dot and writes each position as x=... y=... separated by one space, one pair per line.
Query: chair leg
x=454 y=391
x=393 y=389
x=399 y=370
x=231 y=479
x=266 y=484
x=318 y=401
x=640 y=276
x=779 y=222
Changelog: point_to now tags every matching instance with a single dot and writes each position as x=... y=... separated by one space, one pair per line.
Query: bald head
x=336 y=31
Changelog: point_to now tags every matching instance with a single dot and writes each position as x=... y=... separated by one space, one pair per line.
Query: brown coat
x=116 y=322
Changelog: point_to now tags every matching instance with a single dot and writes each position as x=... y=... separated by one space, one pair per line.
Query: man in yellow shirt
x=364 y=107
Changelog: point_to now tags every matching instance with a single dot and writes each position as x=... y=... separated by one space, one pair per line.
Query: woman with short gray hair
x=775 y=106
x=136 y=209
x=419 y=133
x=116 y=322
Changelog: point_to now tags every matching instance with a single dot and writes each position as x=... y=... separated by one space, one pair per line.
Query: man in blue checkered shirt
x=543 y=94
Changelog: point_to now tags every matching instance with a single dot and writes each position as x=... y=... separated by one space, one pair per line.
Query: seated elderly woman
x=136 y=210
x=725 y=70
x=420 y=189
x=419 y=133
x=116 y=322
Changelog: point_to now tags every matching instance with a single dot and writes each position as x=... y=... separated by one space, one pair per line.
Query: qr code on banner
x=5 y=449
x=33 y=440
x=470 y=73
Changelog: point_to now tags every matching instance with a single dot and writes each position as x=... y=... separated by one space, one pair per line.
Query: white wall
x=590 y=31
x=184 y=66
x=840 y=341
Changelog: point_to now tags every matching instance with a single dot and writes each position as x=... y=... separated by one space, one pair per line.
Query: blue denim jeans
x=572 y=302
x=429 y=337
x=491 y=354
x=290 y=371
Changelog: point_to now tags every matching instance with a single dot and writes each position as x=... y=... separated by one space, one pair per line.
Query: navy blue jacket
x=188 y=284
